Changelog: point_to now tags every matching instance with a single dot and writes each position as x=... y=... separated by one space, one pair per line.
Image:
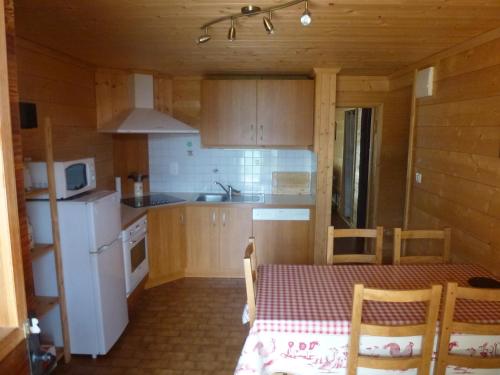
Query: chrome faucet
x=229 y=190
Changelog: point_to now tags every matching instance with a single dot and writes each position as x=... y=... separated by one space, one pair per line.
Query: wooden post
x=13 y=311
x=324 y=133
x=49 y=155
x=411 y=155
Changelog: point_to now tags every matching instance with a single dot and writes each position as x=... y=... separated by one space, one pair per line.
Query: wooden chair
x=250 y=269
x=448 y=325
x=427 y=330
x=400 y=235
x=376 y=258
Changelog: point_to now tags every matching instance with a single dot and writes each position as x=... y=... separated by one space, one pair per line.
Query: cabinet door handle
x=223 y=219
x=213 y=218
x=262 y=132
x=181 y=219
x=252 y=132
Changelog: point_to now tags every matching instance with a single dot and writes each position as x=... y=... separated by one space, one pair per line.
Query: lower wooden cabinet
x=285 y=242
x=210 y=241
x=202 y=240
x=216 y=240
x=166 y=244
x=235 y=229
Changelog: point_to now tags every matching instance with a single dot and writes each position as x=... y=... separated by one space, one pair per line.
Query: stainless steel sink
x=247 y=198
x=224 y=198
x=211 y=198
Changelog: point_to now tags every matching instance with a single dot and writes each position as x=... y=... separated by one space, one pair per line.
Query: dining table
x=303 y=317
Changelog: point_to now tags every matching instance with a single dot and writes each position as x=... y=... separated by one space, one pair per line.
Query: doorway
x=353 y=150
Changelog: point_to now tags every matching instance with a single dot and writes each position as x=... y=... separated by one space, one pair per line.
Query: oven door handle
x=132 y=242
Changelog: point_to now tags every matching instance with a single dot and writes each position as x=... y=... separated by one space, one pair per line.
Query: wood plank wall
x=179 y=97
x=18 y=149
x=186 y=97
x=17 y=361
x=458 y=153
x=389 y=186
x=64 y=89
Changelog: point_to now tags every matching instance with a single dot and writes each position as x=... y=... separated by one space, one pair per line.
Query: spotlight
x=204 y=38
x=268 y=25
x=231 y=34
x=306 y=19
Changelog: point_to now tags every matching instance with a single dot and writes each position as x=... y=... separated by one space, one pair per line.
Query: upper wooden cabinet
x=285 y=112
x=257 y=113
x=228 y=115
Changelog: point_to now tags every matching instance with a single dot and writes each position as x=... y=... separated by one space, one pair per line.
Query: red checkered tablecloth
x=303 y=318
x=318 y=299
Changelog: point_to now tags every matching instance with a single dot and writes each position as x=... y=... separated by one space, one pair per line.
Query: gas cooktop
x=151 y=200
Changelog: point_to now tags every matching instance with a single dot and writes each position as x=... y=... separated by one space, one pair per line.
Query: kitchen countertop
x=269 y=199
x=130 y=214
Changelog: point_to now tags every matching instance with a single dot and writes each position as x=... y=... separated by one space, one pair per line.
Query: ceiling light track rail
x=251 y=14
x=251 y=11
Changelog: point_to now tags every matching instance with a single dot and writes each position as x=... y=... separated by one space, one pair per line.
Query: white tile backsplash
x=177 y=163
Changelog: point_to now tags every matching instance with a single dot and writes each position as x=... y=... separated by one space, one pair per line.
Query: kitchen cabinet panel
x=285 y=241
x=210 y=240
x=166 y=244
x=235 y=229
x=202 y=240
x=217 y=238
x=228 y=113
x=257 y=113
x=285 y=112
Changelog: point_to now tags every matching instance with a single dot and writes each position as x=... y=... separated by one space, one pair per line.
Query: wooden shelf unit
x=44 y=304
x=41 y=249
x=41 y=304
x=35 y=193
x=59 y=353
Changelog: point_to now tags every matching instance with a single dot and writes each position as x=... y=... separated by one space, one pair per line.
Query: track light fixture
x=231 y=34
x=204 y=38
x=250 y=11
x=268 y=25
x=306 y=19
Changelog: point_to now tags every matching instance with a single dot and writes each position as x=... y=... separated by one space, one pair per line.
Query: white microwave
x=72 y=177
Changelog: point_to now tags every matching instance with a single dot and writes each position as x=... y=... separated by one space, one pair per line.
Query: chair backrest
x=376 y=258
x=250 y=270
x=448 y=326
x=427 y=330
x=400 y=235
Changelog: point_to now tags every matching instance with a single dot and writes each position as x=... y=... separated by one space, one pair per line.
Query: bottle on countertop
x=138 y=184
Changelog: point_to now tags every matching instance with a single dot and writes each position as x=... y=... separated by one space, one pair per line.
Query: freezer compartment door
x=105 y=221
x=111 y=300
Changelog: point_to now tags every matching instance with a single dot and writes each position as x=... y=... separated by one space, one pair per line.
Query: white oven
x=135 y=253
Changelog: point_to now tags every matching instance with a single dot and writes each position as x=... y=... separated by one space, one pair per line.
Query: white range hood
x=143 y=118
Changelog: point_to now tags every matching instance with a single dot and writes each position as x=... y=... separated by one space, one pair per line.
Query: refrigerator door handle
x=105 y=247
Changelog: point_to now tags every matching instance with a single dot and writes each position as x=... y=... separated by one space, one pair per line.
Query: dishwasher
x=284 y=235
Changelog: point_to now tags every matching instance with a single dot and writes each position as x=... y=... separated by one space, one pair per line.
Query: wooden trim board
x=324 y=133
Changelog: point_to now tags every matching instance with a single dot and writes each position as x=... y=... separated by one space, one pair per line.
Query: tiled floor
x=191 y=326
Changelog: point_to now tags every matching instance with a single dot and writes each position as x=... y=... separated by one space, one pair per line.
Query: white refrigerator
x=93 y=267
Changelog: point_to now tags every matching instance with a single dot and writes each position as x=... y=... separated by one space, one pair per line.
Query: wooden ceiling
x=370 y=37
